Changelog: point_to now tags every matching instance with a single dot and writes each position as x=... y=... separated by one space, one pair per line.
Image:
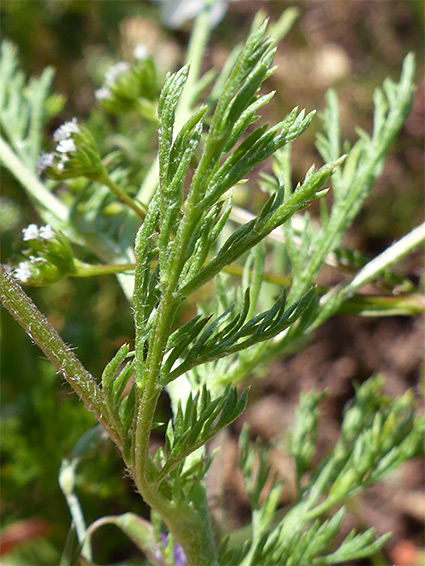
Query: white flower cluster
x=111 y=77
x=65 y=131
x=63 y=135
x=23 y=272
x=116 y=71
x=29 y=269
x=66 y=143
x=33 y=232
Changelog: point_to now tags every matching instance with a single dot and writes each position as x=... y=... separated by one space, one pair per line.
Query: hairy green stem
x=166 y=308
x=189 y=526
x=190 y=530
x=38 y=328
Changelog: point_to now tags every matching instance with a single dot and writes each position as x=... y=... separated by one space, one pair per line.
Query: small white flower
x=65 y=131
x=46 y=232
x=140 y=52
x=31 y=232
x=116 y=71
x=35 y=260
x=102 y=93
x=45 y=161
x=66 y=146
x=23 y=272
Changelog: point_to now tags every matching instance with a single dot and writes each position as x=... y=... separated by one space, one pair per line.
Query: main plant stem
x=188 y=521
x=190 y=528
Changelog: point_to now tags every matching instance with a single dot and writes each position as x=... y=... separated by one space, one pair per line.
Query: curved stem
x=38 y=328
x=67 y=484
x=137 y=529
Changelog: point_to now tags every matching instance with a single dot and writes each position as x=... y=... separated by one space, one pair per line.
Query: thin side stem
x=83 y=269
x=386 y=259
x=136 y=206
x=360 y=304
x=332 y=301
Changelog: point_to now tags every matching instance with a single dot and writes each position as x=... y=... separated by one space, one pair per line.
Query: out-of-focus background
x=350 y=46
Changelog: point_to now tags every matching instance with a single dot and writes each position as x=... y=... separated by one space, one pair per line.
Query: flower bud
x=131 y=87
x=37 y=272
x=49 y=256
x=75 y=155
